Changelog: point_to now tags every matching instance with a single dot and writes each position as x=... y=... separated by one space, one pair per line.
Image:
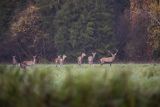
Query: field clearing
x=45 y=85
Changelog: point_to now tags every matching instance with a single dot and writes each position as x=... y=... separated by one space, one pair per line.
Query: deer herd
x=60 y=60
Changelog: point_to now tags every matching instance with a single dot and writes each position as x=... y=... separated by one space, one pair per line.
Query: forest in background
x=47 y=28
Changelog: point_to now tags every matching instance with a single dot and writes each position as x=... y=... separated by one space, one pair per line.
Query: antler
x=116 y=50
x=110 y=52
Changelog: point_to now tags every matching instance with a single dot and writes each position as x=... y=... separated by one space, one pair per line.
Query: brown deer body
x=80 y=58
x=29 y=63
x=109 y=59
x=91 y=58
x=25 y=64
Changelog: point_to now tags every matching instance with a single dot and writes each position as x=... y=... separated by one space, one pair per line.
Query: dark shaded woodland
x=47 y=28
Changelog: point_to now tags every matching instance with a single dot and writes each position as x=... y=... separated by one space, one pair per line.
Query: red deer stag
x=80 y=58
x=91 y=58
x=109 y=59
x=62 y=59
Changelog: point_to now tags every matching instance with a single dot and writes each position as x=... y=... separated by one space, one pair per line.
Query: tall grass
x=130 y=85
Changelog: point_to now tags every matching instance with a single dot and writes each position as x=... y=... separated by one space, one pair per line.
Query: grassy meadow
x=121 y=85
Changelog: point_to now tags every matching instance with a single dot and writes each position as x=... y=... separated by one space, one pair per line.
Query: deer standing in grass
x=57 y=60
x=24 y=64
x=91 y=58
x=14 y=61
x=80 y=58
x=109 y=59
x=61 y=60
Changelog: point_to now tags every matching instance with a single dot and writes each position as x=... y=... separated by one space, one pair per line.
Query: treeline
x=48 y=28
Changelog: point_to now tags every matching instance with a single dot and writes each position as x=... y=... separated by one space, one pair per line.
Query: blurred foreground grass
x=122 y=85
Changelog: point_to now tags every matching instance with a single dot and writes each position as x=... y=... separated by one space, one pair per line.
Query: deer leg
x=61 y=64
x=25 y=69
x=56 y=65
x=101 y=63
x=91 y=62
x=80 y=63
x=110 y=64
x=23 y=66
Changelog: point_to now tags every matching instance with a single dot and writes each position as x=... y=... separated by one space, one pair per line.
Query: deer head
x=64 y=56
x=59 y=56
x=83 y=55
